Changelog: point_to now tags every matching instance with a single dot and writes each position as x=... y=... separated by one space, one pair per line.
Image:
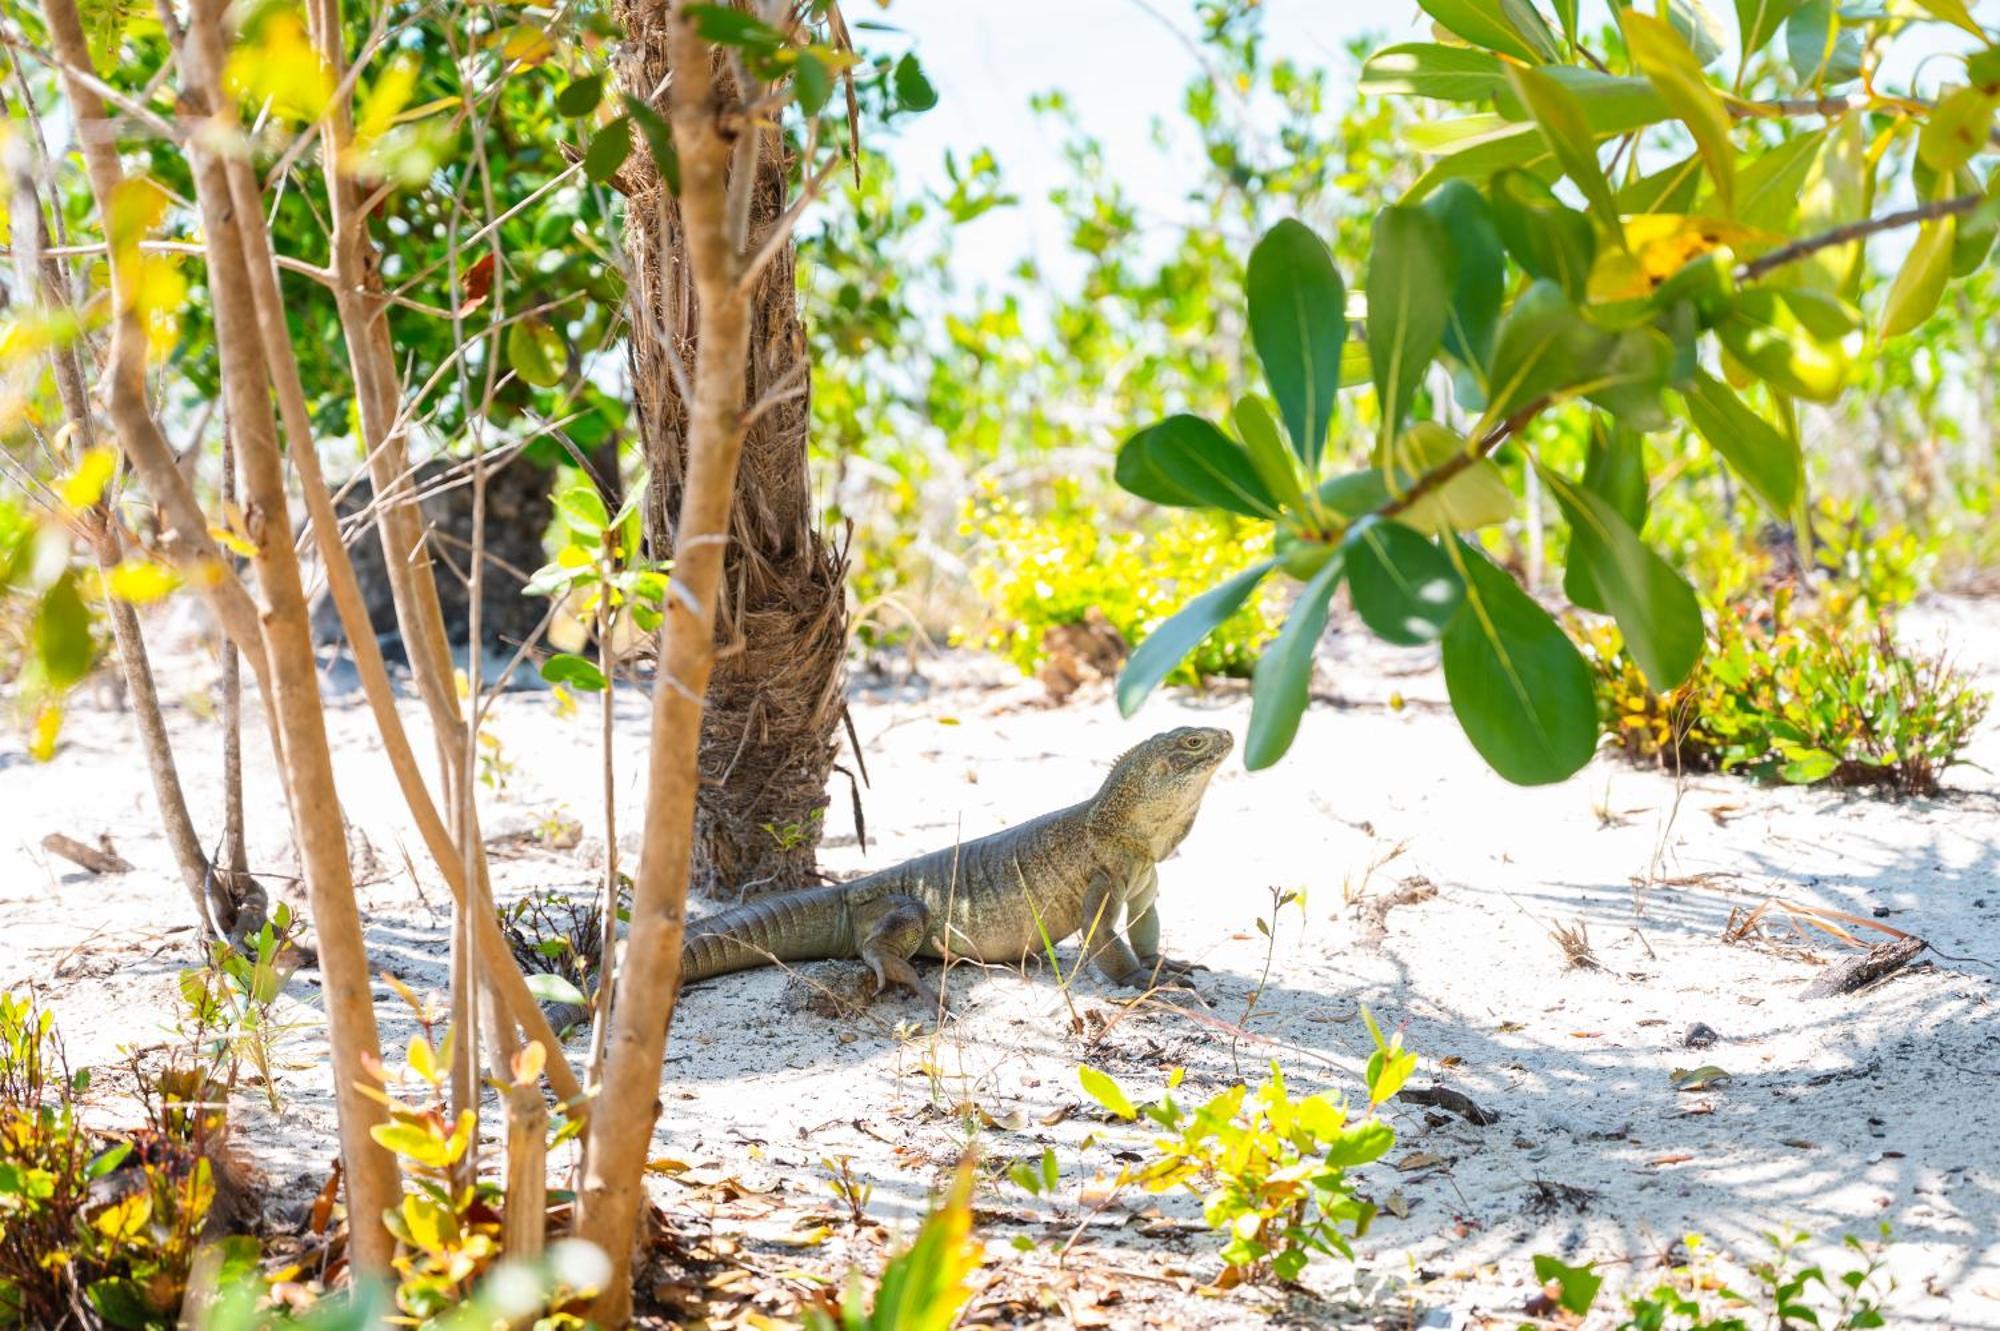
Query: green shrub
x=1693 y=1298
x=89 y=1221
x=1800 y=694
x=1039 y=569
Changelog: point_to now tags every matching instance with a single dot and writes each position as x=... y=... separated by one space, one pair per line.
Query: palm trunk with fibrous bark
x=775 y=702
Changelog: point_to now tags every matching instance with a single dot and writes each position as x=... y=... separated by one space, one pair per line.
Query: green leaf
x=1655 y=608
x=1920 y=283
x=1520 y=689
x=1408 y=267
x=1186 y=462
x=1614 y=469
x=582 y=508
x=580 y=98
x=1403 y=587
x=814 y=83
x=1474 y=311
x=63 y=646
x=659 y=141
x=1957 y=129
x=609 y=148
x=1671 y=189
x=1477 y=497
x=1665 y=58
x=1769 y=188
x=1511 y=27
x=574 y=671
x=1758 y=21
x=1166 y=646
x=1765 y=337
x=107 y=1160
x=1275 y=466
x=537 y=353
x=1822 y=51
x=1956 y=13
x=1281 y=684
x=1104 y=1089
x=1562 y=121
x=546 y=987
x=1360 y=1144
x=728 y=26
x=1427 y=69
x=913 y=87
x=1806 y=766
x=1546 y=236
x=1767 y=460
x=1576 y=1285
x=1298 y=321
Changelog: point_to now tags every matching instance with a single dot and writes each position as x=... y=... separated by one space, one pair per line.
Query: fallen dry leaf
x=1671 y=1158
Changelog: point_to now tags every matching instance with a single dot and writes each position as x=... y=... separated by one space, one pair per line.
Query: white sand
x=1841 y=1114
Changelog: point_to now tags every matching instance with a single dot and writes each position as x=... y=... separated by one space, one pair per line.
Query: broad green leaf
x=574 y=672
x=1768 y=189
x=1408 y=268
x=1766 y=459
x=1655 y=608
x=913 y=87
x=1186 y=462
x=580 y=98
x=1823 y=53
x=1671 y=189
x=1610 y=104
x=1510 y=27
x=609 y=148
x=1546 y=236
x=1548 y=349
x=1282 y=682
x=1166 y=646
x=63 y=645
x=537 y=353
x=1569 y=134
x=1665 y=58
x=1476 y=497
x=1614 y=469
x=1474 y=311
x=582 y=508
x=1403 y=587
x=1577 y=1285
x=727 y=26
x=1957 y=129
x=813 y=81
x=1758 y=21
x=1427 y=69
x=1823 y=315
x=1485 y=147
x=1361 y=1144
x=1763 y=335
x=1354 y=493
x=548 y=987
x=1955 y=12
x=1919 y=284
x=1694 y=23
x=1520 y=689
x=1104 y=1089
x=1276 y=466
x=1298 y=321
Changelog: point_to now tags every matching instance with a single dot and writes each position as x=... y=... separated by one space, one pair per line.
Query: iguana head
x=1156 y=787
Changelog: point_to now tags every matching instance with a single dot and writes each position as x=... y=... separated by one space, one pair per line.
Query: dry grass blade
x=1574 y=940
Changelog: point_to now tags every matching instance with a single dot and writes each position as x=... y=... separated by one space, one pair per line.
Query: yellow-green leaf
x=141 y=582
x=85 y=484
x=1673 y=69
x=1102 y=1088
x=1955 y=13
x=1920 y=284
x=1562 y=122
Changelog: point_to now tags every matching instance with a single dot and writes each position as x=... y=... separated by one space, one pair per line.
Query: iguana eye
x=1194 y=742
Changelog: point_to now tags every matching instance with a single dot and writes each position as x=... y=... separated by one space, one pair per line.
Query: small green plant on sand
x=1693 y=1297
x=1272 y=1171
x=233 y=1001
x=1794 y=692
x=925 y=1286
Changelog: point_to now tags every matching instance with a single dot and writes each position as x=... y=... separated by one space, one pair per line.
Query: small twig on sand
x=1854 y=973
x=95 y=859
x=1443 y=1097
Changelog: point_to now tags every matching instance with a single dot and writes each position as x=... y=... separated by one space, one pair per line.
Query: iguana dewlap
x=1086 y=870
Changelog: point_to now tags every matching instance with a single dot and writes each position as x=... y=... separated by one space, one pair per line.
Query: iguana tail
x=785 y=926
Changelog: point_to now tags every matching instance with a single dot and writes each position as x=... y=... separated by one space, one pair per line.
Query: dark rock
x=1700 y=1036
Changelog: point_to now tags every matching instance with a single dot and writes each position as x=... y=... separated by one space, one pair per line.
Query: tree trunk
x=775 y=699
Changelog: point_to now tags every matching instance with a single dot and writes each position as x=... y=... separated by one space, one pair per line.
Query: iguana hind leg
x=891 y=938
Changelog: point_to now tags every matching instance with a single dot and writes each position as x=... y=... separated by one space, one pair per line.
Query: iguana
x=1088 y=869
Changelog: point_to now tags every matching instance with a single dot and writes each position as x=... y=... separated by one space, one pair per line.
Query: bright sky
x=1123 y=64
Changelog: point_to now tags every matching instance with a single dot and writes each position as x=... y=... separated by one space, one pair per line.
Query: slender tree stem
x=1853 y=231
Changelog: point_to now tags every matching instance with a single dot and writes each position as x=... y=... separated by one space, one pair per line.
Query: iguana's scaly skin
x=1088 y=869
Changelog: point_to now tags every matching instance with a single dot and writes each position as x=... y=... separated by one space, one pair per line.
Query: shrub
x=88 y=1221
x=1036 y=570
x=1800 y=694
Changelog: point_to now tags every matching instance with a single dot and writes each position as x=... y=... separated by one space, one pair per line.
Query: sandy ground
x=1840 y=1114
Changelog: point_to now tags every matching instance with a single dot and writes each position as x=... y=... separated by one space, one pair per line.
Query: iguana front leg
x=1103 y=946
x=1144 y=932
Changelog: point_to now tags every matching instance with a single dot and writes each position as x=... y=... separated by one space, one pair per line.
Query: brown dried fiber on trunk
x=775 y=699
